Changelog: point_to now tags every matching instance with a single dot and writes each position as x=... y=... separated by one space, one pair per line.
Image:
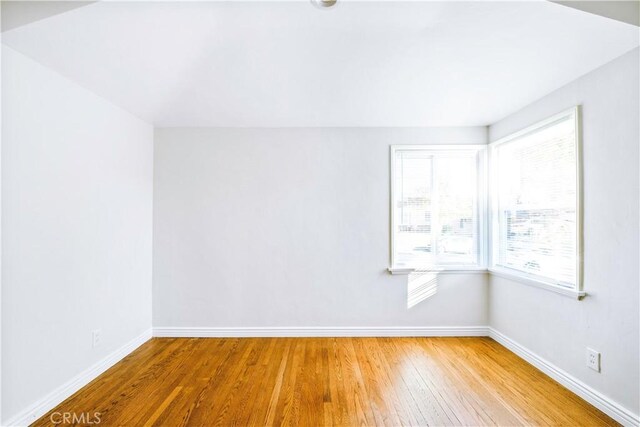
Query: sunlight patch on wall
x=421 y=284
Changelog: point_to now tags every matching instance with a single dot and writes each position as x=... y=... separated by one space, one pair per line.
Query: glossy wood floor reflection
x=327 y=381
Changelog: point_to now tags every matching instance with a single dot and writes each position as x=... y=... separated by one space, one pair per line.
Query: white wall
x=289 y=228
x=76 y=222
x=558 y=328
x=275 y=227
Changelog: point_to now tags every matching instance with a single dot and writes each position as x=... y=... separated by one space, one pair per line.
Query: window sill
x=579 y=295
x=572 y=293
x=439 y=270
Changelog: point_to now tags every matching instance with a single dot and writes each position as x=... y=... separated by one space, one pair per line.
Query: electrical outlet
x=593 y=359
x=96 y=336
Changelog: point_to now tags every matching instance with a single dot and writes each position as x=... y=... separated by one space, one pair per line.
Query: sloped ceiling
x=273 y=64
x=18 y=13
x=624 y=11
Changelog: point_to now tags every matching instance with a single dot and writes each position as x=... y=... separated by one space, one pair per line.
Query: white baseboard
x=410 y=331
x=57 y=396
x=597 y=399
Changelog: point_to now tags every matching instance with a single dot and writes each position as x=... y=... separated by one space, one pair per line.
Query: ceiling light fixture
x=324 y=4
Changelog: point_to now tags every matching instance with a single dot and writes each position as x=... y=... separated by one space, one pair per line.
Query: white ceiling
x=291 y=64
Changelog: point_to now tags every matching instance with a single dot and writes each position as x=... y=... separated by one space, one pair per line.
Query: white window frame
x=487 y=232
x=481 y=155
x=517 y=275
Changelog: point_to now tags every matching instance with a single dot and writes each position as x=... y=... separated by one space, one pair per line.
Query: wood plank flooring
x=326 y=381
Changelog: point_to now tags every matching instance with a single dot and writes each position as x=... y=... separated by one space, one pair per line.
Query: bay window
x=439 y=202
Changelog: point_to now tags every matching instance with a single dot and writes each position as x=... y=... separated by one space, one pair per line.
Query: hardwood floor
x=326 y=381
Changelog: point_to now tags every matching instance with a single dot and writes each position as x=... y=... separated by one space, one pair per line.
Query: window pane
x=413 y=188
x=456 y=190
x=435 y=207
x=537 y=201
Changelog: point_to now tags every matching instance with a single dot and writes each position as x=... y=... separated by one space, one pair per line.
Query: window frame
x=480 y=151
x=573 y=113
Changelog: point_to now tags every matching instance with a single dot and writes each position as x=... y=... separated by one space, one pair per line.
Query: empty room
x=320 y=213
